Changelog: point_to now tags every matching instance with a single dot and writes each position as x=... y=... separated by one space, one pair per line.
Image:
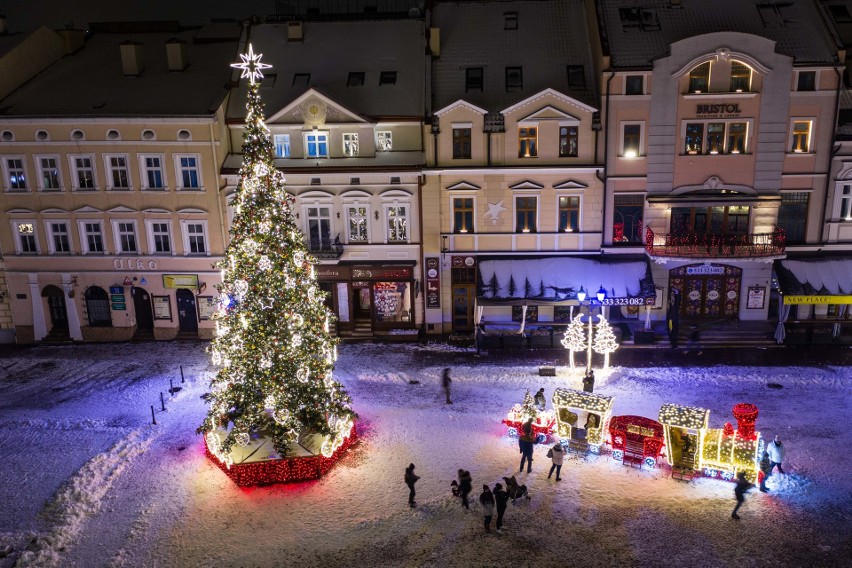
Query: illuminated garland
x=574 y=338
x=564 y=400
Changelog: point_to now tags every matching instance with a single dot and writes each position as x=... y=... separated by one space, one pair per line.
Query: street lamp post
x=581 y=297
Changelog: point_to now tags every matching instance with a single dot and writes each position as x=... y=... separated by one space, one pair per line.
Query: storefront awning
x=817 y=280
x=556 y=280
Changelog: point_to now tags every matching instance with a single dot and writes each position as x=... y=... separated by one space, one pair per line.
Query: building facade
x=348 y=140
x=111 y=192
x=718 y=146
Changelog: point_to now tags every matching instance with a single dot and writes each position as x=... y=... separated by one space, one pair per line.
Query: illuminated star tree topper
x=251 y=66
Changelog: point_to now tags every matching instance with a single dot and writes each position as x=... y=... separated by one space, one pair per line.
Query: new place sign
x=797 y=299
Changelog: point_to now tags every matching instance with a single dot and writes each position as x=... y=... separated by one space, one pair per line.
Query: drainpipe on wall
x=219 y=196
x=420 y=183
x=606 y=150
x=824 y=230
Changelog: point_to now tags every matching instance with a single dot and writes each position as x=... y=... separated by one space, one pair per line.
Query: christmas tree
x=272 y=345
x=574 y=338
x=528 y=408
x=605 y=342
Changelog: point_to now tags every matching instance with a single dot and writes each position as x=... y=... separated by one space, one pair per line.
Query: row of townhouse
x=473 y=167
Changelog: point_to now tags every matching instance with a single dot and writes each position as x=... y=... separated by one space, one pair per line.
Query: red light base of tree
x=283 y=470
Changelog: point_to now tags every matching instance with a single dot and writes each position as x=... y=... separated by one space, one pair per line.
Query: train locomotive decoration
x=681 y=436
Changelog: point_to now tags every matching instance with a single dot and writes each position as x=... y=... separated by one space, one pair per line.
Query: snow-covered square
x=87 y=479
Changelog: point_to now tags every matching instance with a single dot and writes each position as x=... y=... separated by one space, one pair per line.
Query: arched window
x=97 y=306
x=699 y=78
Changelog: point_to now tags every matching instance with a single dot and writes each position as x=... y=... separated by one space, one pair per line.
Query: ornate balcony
x=716 y=246
x=325 y=249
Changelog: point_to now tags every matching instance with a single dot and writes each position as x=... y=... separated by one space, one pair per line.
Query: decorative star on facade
x=494 y=210
x=251 y=66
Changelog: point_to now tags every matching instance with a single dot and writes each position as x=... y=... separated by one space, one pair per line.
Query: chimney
x=435 y=42
x=2 y=24
x=73 y=39
x=746 y=415
x=131 y=58
x=295 y=31
x=176 y=54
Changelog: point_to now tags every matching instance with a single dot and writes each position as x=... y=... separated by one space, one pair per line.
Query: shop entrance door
x=464 y=299
x=56 y=306
x=142 y=306
x=362 y=321
x=187 y=313
x=707 y=291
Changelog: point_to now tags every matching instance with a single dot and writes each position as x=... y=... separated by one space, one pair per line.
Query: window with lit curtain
x=693 y=138
x=801 y=136
x=846 y=203
x=525 y=212
x=737 y=137
x=568 y=141
x=699 y=78
x=569 y=214
x=527 y=142
x=740 y=77
x=627 y=219
x=630 y=140
x=463 y=215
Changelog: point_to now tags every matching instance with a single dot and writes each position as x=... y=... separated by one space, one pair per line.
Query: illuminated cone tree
x=528 y=408
x=574 y=338
x=272 y=346
x=605 y=342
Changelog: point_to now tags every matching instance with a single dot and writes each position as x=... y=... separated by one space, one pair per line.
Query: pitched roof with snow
x=583 y=400
x=91 y=83
x=639 y=32
x=329 y=53
x=550 y=35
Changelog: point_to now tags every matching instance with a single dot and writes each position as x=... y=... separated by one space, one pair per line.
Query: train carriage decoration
x=636 y=440
x=582 y=418
x=726 y=451
x=684 y=428
x=542 y=425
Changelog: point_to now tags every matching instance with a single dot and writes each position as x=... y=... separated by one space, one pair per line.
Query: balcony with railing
x=707 y=245
x=325 y=249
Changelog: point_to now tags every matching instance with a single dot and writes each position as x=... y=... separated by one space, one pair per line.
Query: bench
x=634 y=453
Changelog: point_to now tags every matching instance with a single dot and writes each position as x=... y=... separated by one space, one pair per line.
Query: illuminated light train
x=584 y=423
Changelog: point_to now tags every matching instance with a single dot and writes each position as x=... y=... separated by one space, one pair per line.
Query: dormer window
x=740 y=77
x=699 y=78
x=301 y=79
x=514 y=79
x=387 y=78
x=473 y=79
x=511 y=21
x=527 y=142
x=356 y=79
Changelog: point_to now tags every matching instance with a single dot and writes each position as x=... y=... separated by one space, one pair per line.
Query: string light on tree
x=605 y=342
x=274 y=381
x=574 y=338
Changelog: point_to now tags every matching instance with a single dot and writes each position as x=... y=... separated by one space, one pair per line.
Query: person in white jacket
x=775 y=449
x=556 y=453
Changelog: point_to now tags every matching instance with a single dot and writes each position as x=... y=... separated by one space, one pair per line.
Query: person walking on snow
x=589 y=381
x=765 y=471
x=525 y=443
x=540 y=400
x=465 y=487
x=446 y=382
x=486 y=499
x=501 y=499
x=739 y=492
x=775 y=449
x=410 y=480
x=556 y=453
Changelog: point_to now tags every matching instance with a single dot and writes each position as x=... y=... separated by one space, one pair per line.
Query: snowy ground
x=87 y=481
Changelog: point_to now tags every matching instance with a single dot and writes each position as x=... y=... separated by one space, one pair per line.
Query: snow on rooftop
x=639 y=32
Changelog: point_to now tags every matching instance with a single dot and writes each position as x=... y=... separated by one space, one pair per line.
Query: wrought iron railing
x=708 y=245
x=325 y=248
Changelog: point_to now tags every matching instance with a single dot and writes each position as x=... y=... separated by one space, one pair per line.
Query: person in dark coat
x=765 y=471
x=525 y=444
x=501 y=499
x=589 y=381
x=486 y=499
x=447 y=382
x=465 y=487
x=410 y=480
x=739 y=492
x=540 y=400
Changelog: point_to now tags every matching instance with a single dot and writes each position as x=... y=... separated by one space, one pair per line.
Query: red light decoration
x=728 y=429
x=284 y=470
x=746 y=415
x=637 y=431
